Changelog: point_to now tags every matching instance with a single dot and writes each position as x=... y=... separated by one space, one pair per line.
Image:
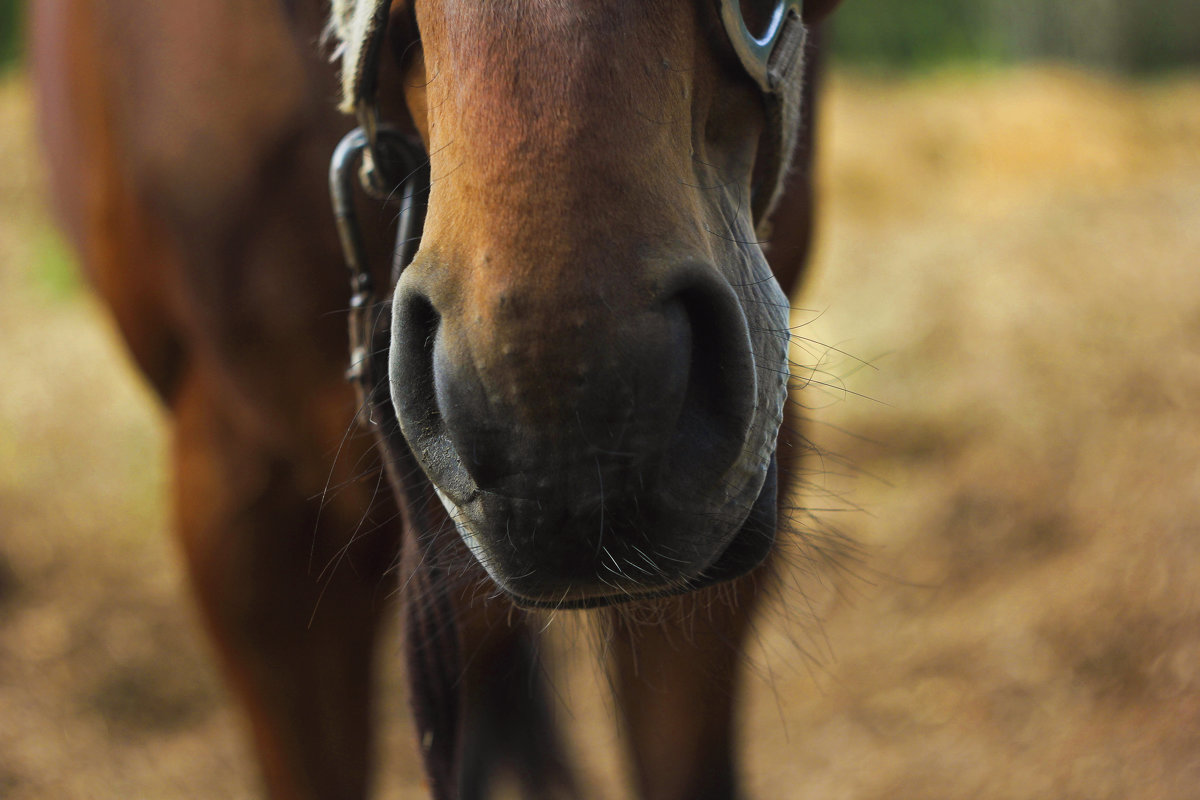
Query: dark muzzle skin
x=589 y=351
x=579 y=443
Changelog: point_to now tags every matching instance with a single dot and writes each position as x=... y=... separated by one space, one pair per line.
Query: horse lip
x=715 y=573
x=745 y=551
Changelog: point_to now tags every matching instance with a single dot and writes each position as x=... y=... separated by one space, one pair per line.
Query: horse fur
x=353 y=22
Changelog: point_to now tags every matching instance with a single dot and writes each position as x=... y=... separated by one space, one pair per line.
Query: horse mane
x=351 y=23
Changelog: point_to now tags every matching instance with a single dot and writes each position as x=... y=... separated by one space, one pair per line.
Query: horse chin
x=619 y=576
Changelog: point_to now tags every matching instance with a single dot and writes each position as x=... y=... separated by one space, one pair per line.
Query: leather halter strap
x=771 y=55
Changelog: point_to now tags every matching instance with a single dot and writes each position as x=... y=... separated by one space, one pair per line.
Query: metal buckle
x=359 y=148
x=769 y=58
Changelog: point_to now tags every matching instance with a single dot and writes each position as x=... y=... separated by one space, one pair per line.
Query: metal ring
x=758 y=53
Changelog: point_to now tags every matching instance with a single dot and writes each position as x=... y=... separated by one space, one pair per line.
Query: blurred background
x=1002 y=339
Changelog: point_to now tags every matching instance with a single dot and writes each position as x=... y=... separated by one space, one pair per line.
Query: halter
x=771 y=56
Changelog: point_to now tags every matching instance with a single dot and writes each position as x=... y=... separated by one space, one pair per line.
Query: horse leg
x=508 y=728
x=677 y=685
x=296 y=646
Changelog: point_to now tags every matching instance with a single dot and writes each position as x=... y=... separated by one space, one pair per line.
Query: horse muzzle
x=584 y=444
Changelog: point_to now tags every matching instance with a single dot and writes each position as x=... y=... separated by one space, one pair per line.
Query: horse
x=585 y=385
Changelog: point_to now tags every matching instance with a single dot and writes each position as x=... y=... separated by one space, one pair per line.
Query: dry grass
x=1016 y=255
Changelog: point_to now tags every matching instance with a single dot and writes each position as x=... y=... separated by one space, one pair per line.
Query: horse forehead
x=510 y=29
x=556 y=68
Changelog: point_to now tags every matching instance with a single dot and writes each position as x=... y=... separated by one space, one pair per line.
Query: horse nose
x=550 y=412
x=570 y=401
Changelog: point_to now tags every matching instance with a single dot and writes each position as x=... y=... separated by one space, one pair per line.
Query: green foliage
x=11 y=14
x=1164 y=34
x=907 y=34
x=1115 y=35
x=914 y=33
x=55 y=268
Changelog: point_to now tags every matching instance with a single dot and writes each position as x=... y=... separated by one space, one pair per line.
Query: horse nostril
x=415 y=325
x=719 y=403
x=416 y=329
x=443 y=403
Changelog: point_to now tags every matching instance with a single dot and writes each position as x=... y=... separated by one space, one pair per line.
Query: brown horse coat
x=188 y=144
